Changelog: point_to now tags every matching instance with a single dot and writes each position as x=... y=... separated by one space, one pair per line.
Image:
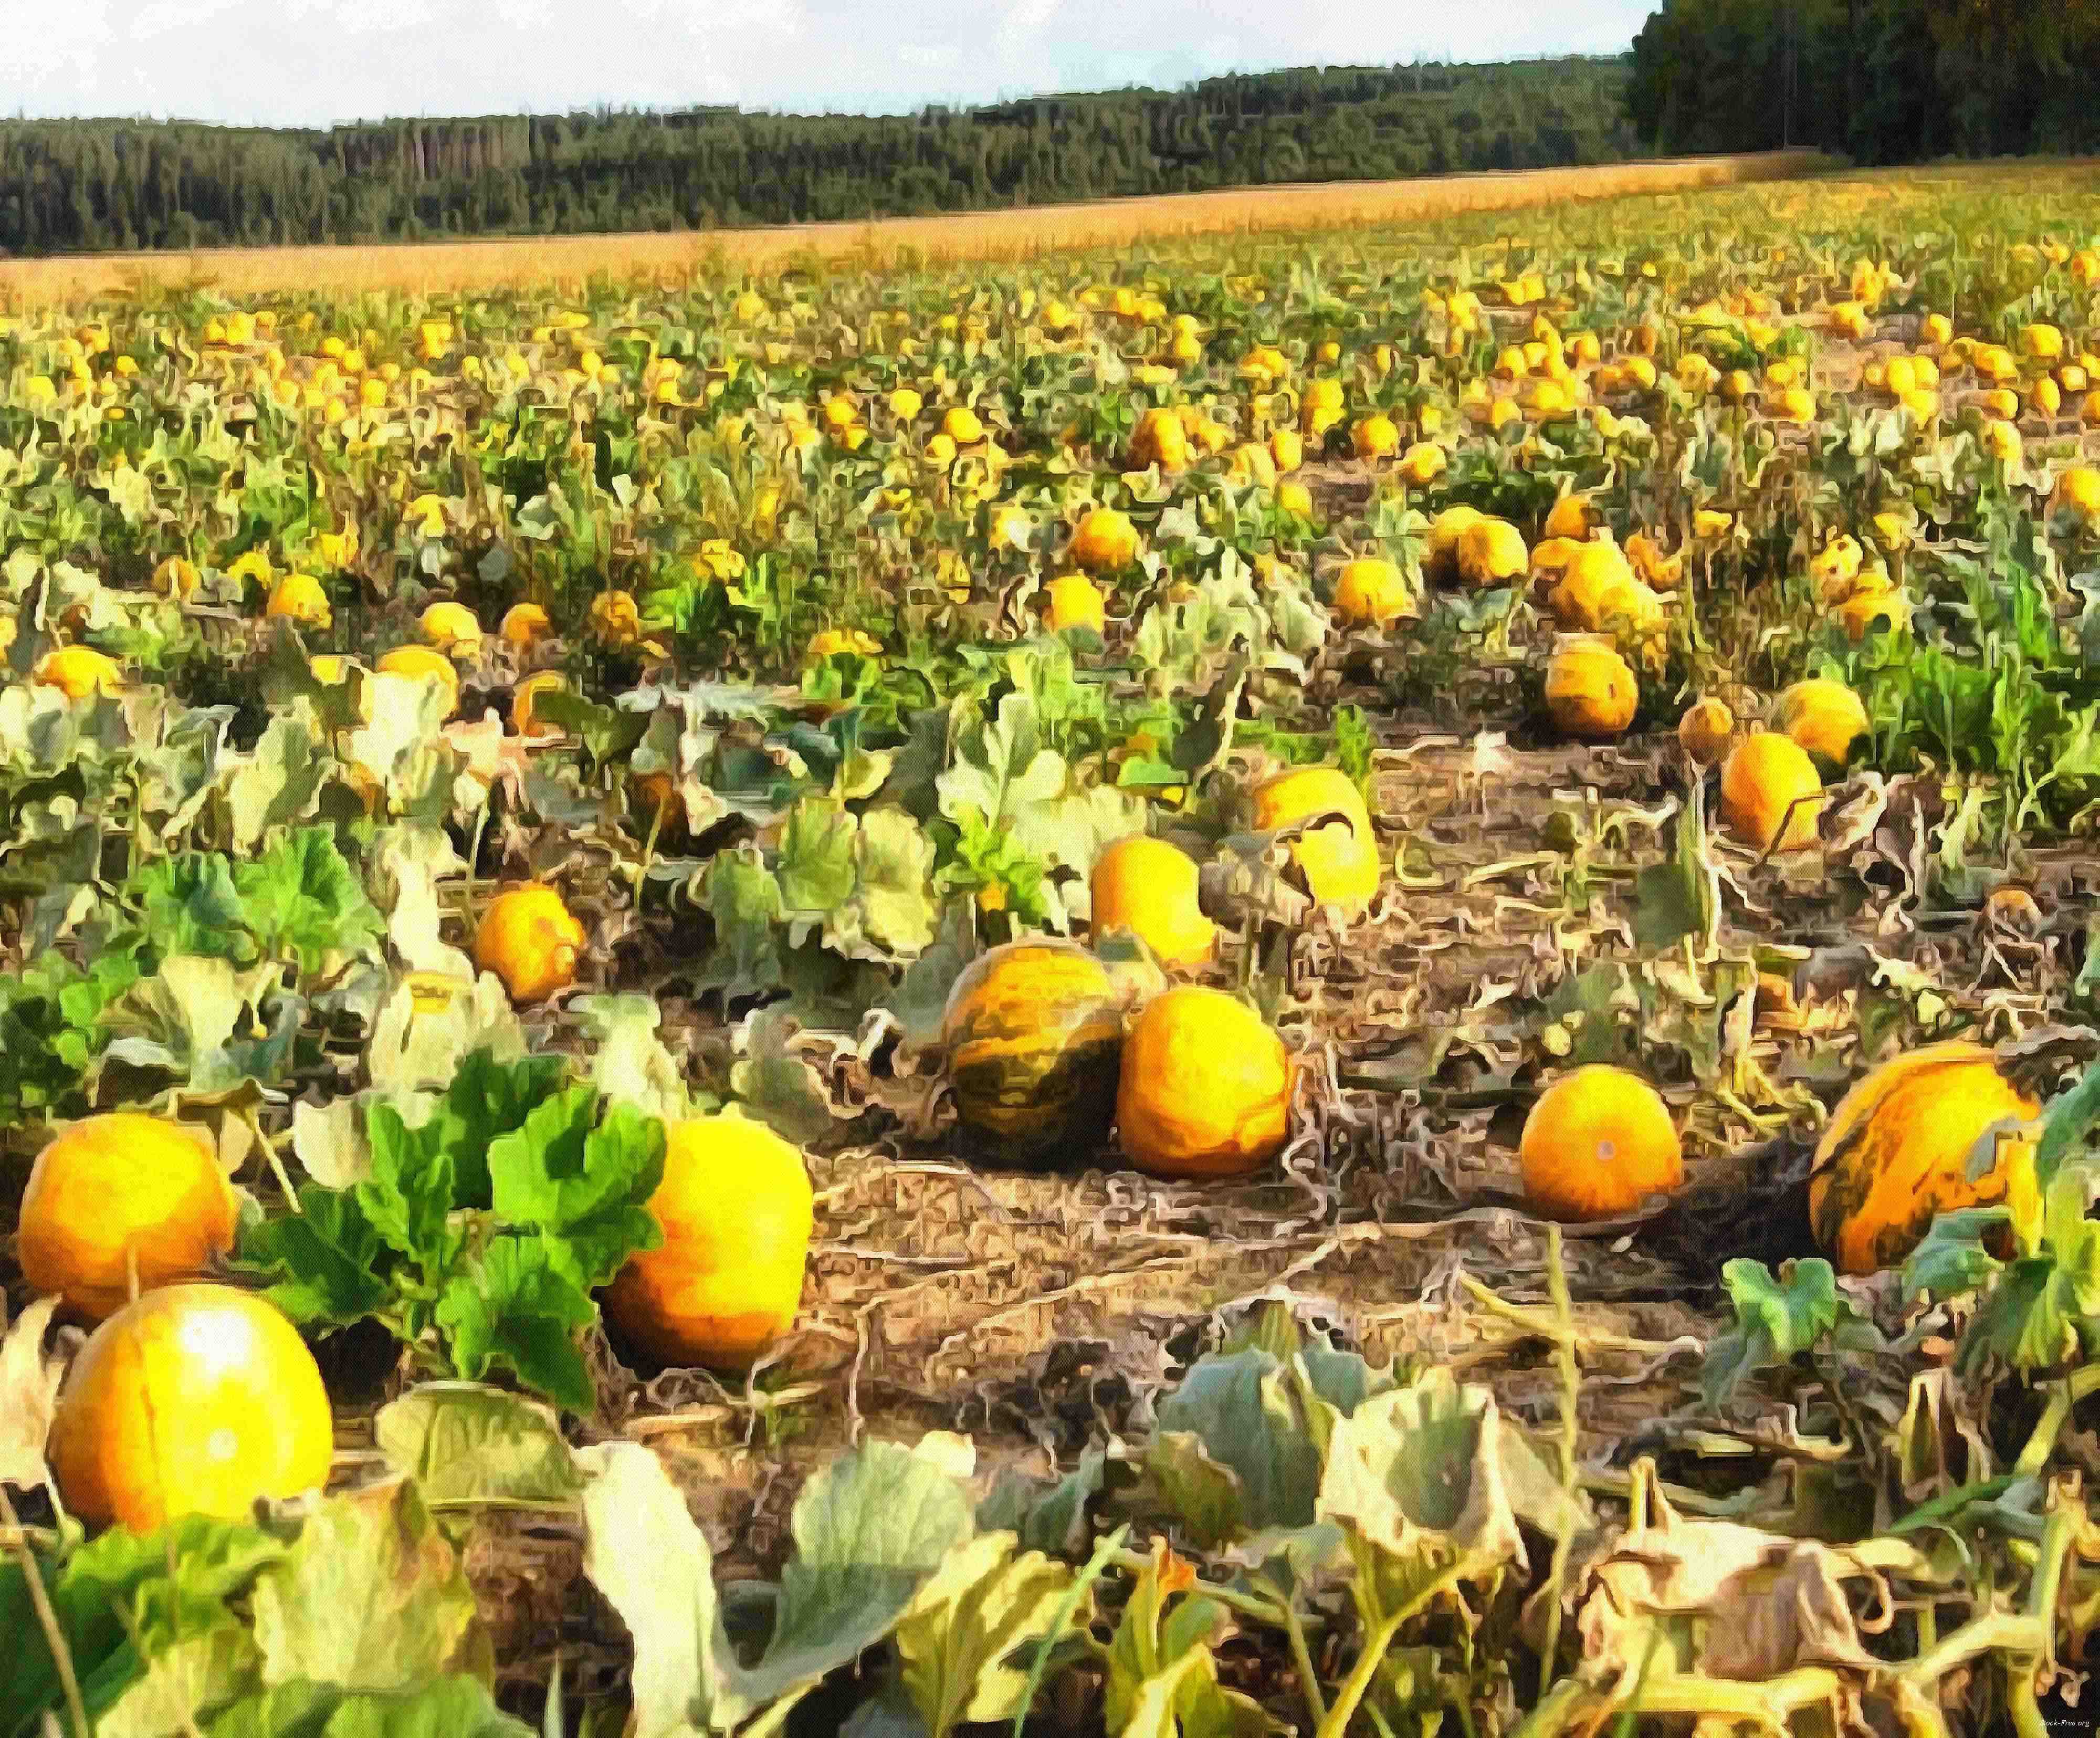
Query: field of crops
x=1337 y=984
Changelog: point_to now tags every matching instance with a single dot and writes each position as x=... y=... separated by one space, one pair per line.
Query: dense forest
x=68 y=185
x=1883 y=81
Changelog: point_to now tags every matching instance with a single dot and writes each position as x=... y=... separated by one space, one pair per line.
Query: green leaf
x=277 y=783
x=815 y=863
x=631 y=1066
x=467 y=1445
x=890 y=916
x=512 y=1305
x=1777 y=1318
x=1052 y=1520
x=2067 y=1119
x=327 y=1257
x=370 y=1597
x=305 y=902
x=409 y=1198
x=1950 y=1260
x=985 y=1601
x=488 y=1098
x=871 y=1529
x=744 y=901
x=583 y=1183
x=451 y=1707
x=188 y=1682
x=1233 y=1450
x=776 y=1085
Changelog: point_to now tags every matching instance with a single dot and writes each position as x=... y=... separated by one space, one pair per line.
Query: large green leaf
x=466 y=1444
x=987 y=1598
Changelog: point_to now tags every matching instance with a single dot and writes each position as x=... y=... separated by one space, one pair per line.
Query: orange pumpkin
x=1206 y=1089
x=1148 y=887
x=1597 y=1144
x=1771 y=794
x=118 y=1193
x=195 y=1400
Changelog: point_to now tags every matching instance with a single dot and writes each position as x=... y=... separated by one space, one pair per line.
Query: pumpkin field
x=1337 y=983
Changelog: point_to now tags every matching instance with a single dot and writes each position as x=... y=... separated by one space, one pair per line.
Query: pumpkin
x=79 y=671
x=1590 y=690
x=1339 y=860
x=963 y=426
x=1597 y=1144
x=197 y=1398
x=2077 y=492
x=1376 y=437
x=1596 y=585
x=1897 y=1150
x=1034 y=1032
x=118 y=1193
x=1706 y=730
x=1490 y=552
x=1148 y=887
x=1159 y=438
x=1104 y=540
x=1372 y=592
x=300 y=597
x=736 y=1209
x=1294 y=498
x=1825 y=717
x=1422 y=463
x=422 y=663
x=1869 y=608
x=1571 y=516
x=1075 y=602
x=1287 y=450
x=528 y=938
x=1206 y=1088
x=524 y=626
x=1771 y=793
x=450 y=627
x=523 y=719
x=1440 y=550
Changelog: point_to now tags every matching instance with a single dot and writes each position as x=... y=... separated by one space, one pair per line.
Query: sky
x=313 y=62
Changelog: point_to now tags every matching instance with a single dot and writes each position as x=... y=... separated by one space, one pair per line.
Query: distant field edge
x=1005 y=234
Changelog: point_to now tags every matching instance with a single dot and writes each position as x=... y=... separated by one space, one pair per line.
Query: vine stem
x=1571 y=1398
x=47 y=1619
x=1301 y=1653
x=1358 y=1683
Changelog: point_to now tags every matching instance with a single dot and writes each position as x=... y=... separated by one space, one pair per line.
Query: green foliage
x=479 y=1237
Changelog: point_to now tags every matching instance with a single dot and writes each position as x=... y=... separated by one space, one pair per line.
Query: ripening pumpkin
x=523 y=719
x=1377 y=436
x=1339 y=861
x=195 y=1399
x=1571 y=516
x=1206 y=1088
x=117 y=1194
x=1439 y=549
x=424 y=663
x=1372 y=592
x=528 y=938
x=524 y=626
x=2077 y=492
x=1105 y=539
x=1771 y=794
x=1825 y=717
x=450 y=627
x=79 y=671
x=1034 y=1032
x=1159 y=438
x=1897 y=1149
x=1075 y=602
x=736 y=1209
x=1597 y=1144
x=1596 y=584
x=1490 y=552
x=1706 y=730
x=1590 y=690
x=1148 y=887
x=302 y=599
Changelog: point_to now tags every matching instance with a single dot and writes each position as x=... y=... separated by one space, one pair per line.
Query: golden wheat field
x=888 y=244
x=1319 y=962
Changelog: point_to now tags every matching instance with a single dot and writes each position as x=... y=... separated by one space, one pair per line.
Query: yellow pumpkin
x=1034 y=1032
x=1372 y=592
x=1771 y=795
x=450 y=627
x=1597 y=1142
x=1376 y=437
x=301 y=598
x=1706 y=730
x=195 y=1399
x=1160 y=439
x=1340 y=859
x=1106 y=541
x=528 y=938
x=122 y=1194
x=1897 y=1150
x=1075 y=602
x=79 y=671
x=424 y=663
x=1439 y=549
x=1571 y=516
x=1825 y=717
x=1590 y=690
x=524 y=626
x=1148 y=887
x=736 y=1209
x=1596 y=585
x=1206 y=1088
x=1491 y=552
x=2077 y=493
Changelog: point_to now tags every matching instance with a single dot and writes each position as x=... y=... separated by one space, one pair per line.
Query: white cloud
x=312 y=62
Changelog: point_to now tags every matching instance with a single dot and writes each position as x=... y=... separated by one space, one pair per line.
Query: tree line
x=1882 y=80
x=87 y=185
